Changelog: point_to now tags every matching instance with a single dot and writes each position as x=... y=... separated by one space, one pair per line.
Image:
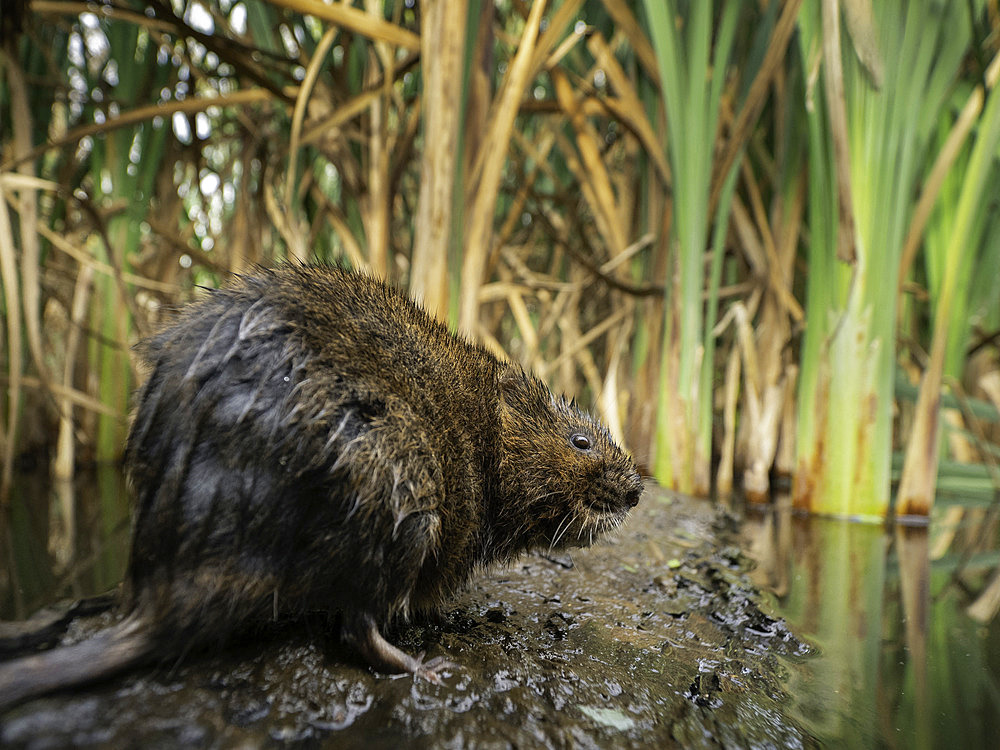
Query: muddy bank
x=654 y=639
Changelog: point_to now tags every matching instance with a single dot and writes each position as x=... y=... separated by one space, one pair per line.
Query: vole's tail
x=101 y=656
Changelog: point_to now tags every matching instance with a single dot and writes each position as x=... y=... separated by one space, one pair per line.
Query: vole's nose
x=634 y=492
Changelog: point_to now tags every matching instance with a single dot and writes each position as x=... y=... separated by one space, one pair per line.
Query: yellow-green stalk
x=692 y=64
x=848 y=355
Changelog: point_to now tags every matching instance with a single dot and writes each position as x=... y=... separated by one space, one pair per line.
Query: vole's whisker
x=568 y=520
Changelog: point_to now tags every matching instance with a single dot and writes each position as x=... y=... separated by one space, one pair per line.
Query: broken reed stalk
x=594 y=165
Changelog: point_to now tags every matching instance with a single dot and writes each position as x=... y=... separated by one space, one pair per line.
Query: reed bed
x=760 y=239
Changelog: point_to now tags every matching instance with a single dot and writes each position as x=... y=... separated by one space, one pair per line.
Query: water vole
x=310 y=439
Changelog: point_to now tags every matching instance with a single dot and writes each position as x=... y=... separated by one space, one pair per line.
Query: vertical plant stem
x=443 y=51
x=62 y=465
x=686 y=52
x=299 y=112
x=15 y=347
x=836 y=106
x=28 y=216
x=848 y=358
x=377 y=213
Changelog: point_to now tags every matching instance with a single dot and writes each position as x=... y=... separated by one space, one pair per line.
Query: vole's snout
x=633 y=495
x=617 y=493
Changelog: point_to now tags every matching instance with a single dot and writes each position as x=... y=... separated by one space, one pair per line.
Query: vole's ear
x=513 y=382
x=510 y=377
x=519 y=389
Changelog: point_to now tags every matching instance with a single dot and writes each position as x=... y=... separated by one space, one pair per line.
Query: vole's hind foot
x=364 y=634
x=434 y=669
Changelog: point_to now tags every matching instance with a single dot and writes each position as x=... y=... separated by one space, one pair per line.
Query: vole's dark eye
x=580 y=442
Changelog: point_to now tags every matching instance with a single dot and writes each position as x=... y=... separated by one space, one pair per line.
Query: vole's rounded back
x=309 y=439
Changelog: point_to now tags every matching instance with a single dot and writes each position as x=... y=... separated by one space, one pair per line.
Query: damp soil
x=655 y=638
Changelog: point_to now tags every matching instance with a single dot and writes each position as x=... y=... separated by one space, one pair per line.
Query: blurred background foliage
x=761 y=239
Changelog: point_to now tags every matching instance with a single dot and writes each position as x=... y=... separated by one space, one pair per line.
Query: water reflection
x=63 y=539
x=902 y=664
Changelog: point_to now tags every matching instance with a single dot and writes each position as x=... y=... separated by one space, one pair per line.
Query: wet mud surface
x=655 y=638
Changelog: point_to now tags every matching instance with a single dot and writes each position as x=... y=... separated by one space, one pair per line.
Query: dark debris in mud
x=653 y=639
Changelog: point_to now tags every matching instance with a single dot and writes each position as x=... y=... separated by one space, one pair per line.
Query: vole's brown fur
x=309 y=439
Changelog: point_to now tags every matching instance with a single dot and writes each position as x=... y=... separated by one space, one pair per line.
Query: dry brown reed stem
x=108 y=10
x=628 y=107
x=287 y=224
x=784 y=461
x=750 y=244
x=788 y=218
x=328 y=126
x=627 y=24
x=494 y=148
x=567 y=12
x=539 y=52
x=350 y=245
x=612 y=400
x=990 y=385
x=518 y=308
x=410 y=114
x=578 y=343
x=15 y=346
x=74 y=395
x=299 y=113
x=566 y=372
x=479 y=97
x=763 y=406
x=443 y=54
x=63 y=463
x=361 y=22
x=376 y=209
x=917 y=482
x=592 y=172
x=987 y=604
x=27 y=211
x=590 y=105
x=563 y=49
x=727 y=453
x=538 y=153
x=589 y=169
x=778 y=270
x=962 y=451
x=767 y=397
x=642 y=420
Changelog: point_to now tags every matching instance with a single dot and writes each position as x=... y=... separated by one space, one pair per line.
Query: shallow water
x=63 y=540
x=901 y=662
